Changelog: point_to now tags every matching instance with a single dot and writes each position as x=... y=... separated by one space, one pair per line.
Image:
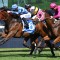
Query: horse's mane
x=4 y=8
x=4 y=14
x=50 y=12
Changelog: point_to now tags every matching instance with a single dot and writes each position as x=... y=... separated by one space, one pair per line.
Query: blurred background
x=44 y=4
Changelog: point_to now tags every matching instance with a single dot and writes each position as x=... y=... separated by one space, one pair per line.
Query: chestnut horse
x=14 y=28
x=54 y=28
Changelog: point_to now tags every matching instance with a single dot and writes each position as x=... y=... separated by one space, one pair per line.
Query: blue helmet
x=14 y=6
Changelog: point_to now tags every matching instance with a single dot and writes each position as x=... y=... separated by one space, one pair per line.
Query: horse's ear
x=4 y=8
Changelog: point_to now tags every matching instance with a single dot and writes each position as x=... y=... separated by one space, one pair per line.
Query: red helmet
x=53 y=5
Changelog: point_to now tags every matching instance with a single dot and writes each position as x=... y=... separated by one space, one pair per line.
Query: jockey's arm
x=27 y=16
x=12 y=12
x=58 y=14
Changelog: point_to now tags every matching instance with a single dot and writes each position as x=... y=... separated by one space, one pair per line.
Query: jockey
x=37 y=13
x=56 y=8
x=24 y=14
x=27 y=6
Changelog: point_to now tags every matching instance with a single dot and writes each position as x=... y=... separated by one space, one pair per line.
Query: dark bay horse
x=54 y=28
x=14 y=28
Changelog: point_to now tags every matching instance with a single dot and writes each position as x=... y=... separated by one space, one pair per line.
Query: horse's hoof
x=30 y=54
x=56 y=48
x=53 y=55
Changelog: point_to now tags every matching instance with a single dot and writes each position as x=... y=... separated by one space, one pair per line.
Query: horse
x=15 y=29
x=53 y=27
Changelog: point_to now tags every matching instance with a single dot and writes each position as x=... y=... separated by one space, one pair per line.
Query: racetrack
x=23 y=54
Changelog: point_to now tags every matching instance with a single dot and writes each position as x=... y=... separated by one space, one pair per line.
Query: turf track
x=23 y=54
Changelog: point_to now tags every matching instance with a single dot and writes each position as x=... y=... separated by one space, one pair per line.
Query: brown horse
x=15 y=29
x=54 y=28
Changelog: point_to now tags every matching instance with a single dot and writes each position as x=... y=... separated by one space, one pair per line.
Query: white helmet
x=14 y=6
x=32 y=9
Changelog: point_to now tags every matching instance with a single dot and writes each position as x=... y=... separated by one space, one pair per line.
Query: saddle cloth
x=31 y=28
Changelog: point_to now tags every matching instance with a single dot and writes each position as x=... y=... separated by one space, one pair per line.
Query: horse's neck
x=7 y=22
x=48 y=20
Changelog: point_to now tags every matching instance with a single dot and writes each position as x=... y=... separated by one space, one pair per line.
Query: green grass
x=43 y=5
x=23 y=54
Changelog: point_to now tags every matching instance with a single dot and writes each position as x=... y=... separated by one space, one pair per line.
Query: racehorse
x=53 y=27
x=15 y=29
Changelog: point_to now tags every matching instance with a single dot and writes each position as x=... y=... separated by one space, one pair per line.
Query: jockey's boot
x=25 y=22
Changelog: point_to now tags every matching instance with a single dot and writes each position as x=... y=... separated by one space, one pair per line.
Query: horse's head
x=4 y=8
x=49 y=20
x=47 y=15
x=3 y=15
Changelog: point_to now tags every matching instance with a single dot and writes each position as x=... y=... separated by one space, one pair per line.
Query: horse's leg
x=32 y=47
x=3 y=35
x=56 y=40
x=36 y=46
x=50 y=46
x=45 y=37
x=47 y=41
x=34 y=42
x=39 y=45
x=10 y=35
x=25 y=42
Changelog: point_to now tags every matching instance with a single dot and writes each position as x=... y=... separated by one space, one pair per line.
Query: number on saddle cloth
x=31 y=28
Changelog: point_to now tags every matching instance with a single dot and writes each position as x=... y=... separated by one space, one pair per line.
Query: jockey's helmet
x=14 y=6
x=34 y=10
x=53 y=5
x=27 y=6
